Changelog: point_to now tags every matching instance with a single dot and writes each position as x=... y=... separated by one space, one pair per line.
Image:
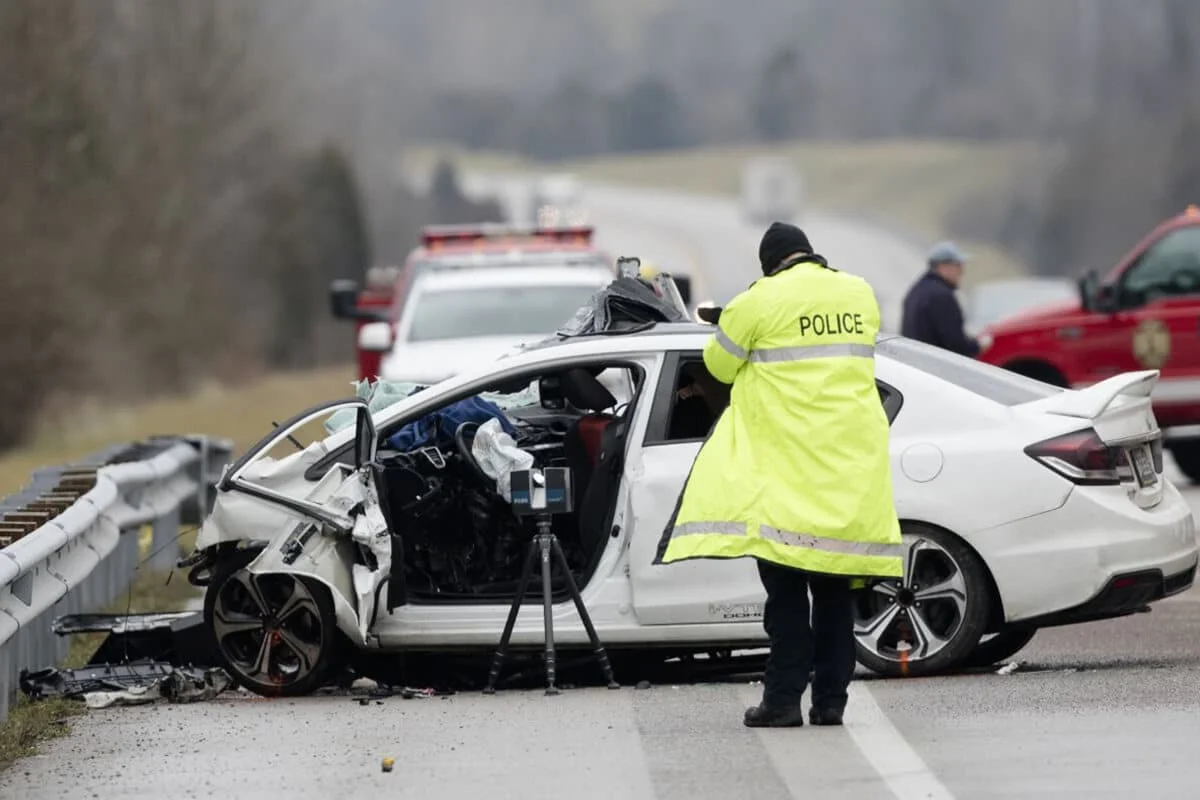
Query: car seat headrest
x=585 y=391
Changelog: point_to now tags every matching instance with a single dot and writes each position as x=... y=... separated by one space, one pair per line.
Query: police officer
x=795 y=473
x=931 y=311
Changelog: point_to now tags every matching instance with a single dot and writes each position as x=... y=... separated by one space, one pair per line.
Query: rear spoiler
x=1092 y=401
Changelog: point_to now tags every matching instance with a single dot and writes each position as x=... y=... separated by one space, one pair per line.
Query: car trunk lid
x=1118 y=410
x=1119 y=407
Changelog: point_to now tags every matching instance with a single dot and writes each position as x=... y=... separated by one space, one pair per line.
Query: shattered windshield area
x=382 y=394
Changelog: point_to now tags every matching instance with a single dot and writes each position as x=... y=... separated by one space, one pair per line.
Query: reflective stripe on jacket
x=797 y=470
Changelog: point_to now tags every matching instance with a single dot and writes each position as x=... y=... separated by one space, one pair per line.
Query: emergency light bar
x=434 y=235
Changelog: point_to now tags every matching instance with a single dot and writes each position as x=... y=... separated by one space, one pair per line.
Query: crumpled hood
x=427 y=363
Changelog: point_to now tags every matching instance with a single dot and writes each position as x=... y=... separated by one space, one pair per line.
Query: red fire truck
x=1143 y=314
x=457 y=246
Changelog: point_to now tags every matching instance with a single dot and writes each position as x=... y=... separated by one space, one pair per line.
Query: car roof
x=654 y=336
x=466 y=278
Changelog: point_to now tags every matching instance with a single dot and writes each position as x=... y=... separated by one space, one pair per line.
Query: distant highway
x=707 y=236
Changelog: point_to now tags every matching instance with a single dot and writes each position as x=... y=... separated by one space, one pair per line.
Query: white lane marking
x=904 y=772
x=817 y=763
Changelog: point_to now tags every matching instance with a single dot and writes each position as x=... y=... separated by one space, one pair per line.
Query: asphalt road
x=1103 y=710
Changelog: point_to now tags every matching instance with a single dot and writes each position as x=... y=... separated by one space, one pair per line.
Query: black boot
x=762 y=716
x=824 y=716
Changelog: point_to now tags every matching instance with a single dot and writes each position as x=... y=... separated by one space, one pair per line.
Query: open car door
x=343 y=539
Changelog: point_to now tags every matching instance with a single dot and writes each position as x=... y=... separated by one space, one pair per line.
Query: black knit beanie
x=780 y=241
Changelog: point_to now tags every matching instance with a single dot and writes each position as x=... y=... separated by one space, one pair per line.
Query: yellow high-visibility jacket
x=796 y=471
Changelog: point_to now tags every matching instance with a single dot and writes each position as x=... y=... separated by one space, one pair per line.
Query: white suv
x=455 y=319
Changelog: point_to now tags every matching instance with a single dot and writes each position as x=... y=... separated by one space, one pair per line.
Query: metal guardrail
x=69 y=539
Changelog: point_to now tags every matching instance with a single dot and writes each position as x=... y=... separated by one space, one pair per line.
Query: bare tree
x=143 y=160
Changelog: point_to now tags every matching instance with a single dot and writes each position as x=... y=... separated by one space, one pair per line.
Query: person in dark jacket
x=931 y=311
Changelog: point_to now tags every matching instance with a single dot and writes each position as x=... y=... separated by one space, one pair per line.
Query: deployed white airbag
x=498 y=456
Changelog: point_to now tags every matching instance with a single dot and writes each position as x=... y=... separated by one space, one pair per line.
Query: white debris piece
x=133 y=696
x=371 y=532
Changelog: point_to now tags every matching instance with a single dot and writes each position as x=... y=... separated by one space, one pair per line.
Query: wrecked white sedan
x=1023 y=506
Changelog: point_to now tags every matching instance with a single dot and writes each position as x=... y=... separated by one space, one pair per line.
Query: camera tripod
x=544 y=546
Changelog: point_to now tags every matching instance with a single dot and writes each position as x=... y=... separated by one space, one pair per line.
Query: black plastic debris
x=75 y=683
x=102 y=685
x=176 y=638
x=379 y=691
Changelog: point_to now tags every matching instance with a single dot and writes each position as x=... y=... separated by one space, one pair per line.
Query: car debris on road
x=145 y=658
x=150 y=657
x=137 y=683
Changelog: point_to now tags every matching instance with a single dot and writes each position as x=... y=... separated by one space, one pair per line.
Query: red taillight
x=1080 y=457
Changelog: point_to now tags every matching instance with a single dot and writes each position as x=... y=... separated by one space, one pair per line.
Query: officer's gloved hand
x=709 y=314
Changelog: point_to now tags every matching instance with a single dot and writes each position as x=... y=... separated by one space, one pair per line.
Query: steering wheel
x=464 y=450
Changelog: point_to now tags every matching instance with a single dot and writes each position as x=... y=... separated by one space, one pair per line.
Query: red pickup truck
x=1143 y=314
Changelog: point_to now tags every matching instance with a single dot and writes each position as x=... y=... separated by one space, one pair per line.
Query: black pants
x=798 y=648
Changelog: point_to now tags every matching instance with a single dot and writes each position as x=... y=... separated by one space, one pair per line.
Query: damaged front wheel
x=275 y=633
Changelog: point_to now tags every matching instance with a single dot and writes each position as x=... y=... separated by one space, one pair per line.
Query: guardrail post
x=124 y=561
x=166 y=531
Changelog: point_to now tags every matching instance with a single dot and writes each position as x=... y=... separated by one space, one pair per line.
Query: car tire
x=1004 y=644
x=306 y=647
x=945 y=619
x=1187 y=458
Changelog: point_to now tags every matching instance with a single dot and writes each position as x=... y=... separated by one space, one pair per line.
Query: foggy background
x=180 y=179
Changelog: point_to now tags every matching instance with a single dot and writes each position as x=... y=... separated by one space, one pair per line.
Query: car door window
x=520 y=395
x=270 y=469
x=891 y=398
x=304 y=438
x=689 y=400
x=1169 y=268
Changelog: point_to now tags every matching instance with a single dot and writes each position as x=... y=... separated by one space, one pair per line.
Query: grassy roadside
x=241 y=413
x=915 y=187
x=30 y=724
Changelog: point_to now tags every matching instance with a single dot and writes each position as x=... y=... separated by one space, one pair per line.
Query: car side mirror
x=343 y=302
x=1094 y=296
x=343 y=299
x=375 y=337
